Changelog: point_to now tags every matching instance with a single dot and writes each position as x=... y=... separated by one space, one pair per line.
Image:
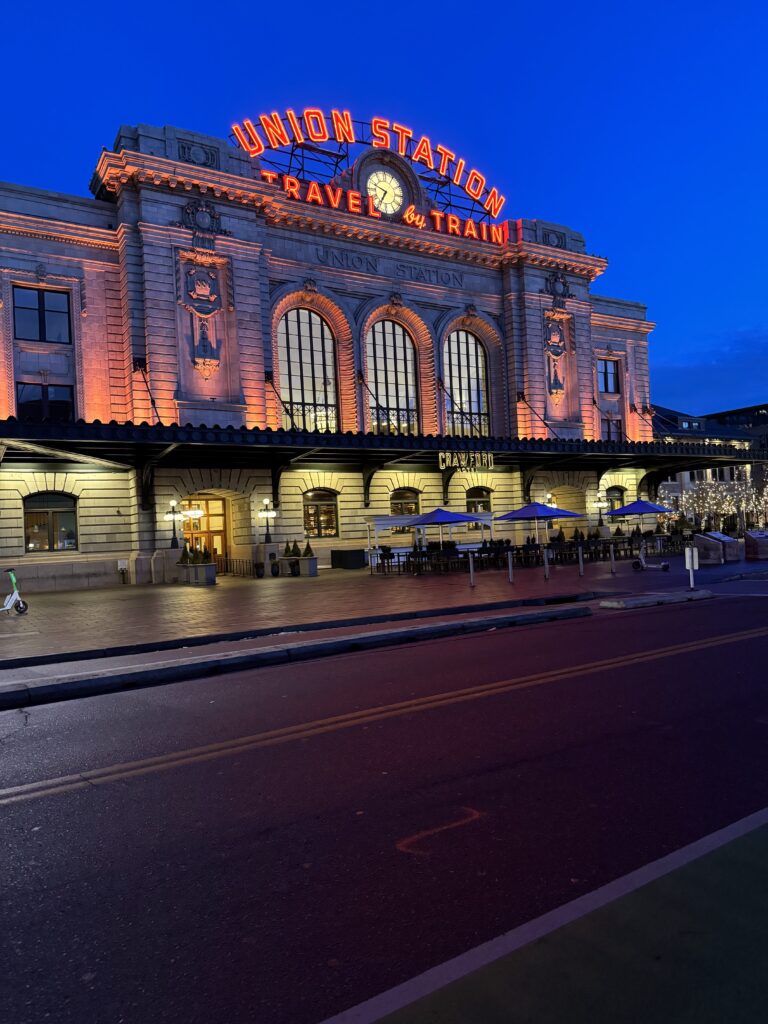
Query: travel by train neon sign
x=314 y=127
x=350 y=201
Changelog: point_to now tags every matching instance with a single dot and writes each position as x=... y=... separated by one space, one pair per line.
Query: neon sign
x=274 y=131
x=350 y=201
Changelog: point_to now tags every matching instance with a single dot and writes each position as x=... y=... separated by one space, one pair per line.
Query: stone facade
x=179 y=272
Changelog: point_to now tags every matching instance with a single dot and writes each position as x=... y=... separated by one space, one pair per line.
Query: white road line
x=452 y=970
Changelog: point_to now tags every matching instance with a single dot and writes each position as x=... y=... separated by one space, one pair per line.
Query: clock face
x=385 y=190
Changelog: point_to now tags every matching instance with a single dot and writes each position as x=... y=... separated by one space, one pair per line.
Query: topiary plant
x=308 y=552
x=295 y=550
x=184 y=556
x=618 y=532
x=287 y=552
x=206 y=556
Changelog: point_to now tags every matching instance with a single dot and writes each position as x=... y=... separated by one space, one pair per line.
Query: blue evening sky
x=642 y=125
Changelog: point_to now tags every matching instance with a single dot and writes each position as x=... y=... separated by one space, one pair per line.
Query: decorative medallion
x=200 y=217
x=556 y=285
x=196 y=153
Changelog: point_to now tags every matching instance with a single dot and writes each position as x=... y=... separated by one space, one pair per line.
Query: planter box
x=307 y=566
x=203 y=575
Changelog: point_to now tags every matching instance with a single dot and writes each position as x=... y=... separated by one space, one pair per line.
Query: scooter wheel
x=637 y=566
x=21 y=607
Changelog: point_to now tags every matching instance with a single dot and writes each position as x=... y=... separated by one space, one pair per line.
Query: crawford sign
x=313 y=126
x=465 y=460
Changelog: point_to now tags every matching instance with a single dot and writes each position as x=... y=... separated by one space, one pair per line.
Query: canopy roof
x=640 y=508
x=444 y=517
x=536 y=510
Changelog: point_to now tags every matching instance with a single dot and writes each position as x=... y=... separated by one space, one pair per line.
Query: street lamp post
x=267 y=514
x=173 y=515
x=178 y=517
x=601 y=503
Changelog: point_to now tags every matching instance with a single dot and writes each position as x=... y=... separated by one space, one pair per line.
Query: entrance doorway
x=208 y=530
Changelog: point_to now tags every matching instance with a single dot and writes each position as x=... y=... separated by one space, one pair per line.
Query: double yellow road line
x=308 y=730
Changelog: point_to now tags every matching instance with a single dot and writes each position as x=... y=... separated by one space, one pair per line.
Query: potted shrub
x=274 y=565
x=197 y=567
x=308 y=561
x=294 y=563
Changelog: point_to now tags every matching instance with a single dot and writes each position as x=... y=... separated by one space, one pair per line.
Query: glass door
x=208 y=530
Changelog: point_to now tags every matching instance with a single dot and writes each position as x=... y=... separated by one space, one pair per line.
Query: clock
x=386 y=191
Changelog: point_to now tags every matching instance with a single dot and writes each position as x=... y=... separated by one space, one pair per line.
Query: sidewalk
x=687 y=948
x=122 y=616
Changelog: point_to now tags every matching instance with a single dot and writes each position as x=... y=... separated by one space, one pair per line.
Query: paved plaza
x=81 y=620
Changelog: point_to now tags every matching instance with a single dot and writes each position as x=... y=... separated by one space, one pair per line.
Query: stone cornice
x=57 y=231
x=579 y=263
x=126 y=169
x=622 y=323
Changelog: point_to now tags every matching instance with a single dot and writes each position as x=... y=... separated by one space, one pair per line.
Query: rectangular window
x=38 y=402
x=610 y=430
x=41 y=315
x=608 y=376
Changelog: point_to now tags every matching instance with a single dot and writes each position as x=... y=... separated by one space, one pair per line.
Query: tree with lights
x=708 y=502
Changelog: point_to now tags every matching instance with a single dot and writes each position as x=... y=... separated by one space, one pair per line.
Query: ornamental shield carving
x=202 y=294
x=202 y=297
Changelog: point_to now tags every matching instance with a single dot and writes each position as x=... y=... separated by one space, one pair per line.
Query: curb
x=650 y=600
x=756 y=574
x=21 y=695
x=29 y=661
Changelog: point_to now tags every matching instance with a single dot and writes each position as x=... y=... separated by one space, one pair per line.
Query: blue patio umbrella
x=640 y=508
x=441 y=517
x=535 y=511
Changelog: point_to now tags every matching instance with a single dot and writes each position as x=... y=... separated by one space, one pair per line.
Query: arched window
x=307 y=358
x=393 y=394
x=465 y=382
x=478 y=500
x=321 y=514
x=404 y=501
x=50 y=522
x=615 y=498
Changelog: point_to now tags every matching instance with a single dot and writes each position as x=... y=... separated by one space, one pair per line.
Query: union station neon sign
x=313 y=126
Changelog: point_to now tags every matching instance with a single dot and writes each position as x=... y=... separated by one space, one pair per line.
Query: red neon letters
x=349 y=201
x=273 y=131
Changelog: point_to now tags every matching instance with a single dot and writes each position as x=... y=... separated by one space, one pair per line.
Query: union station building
x=324 y=318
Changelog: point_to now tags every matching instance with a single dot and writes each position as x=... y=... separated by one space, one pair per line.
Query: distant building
x=673 y=426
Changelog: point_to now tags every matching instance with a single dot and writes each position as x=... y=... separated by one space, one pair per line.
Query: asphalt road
x=274 y=847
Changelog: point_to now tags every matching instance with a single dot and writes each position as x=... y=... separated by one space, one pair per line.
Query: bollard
x=581 y=560
x=509 y=567
x=613 y=560
x=546 y=562
x=691 y=563
x=471 y=569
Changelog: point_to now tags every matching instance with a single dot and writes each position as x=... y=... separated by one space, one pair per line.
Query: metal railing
x=235 y=566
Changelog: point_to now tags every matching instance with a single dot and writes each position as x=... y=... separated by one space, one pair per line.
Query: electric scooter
x=14 y=601
x=640 y=564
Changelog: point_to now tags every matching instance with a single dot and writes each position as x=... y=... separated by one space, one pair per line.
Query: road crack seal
x=406 y=845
